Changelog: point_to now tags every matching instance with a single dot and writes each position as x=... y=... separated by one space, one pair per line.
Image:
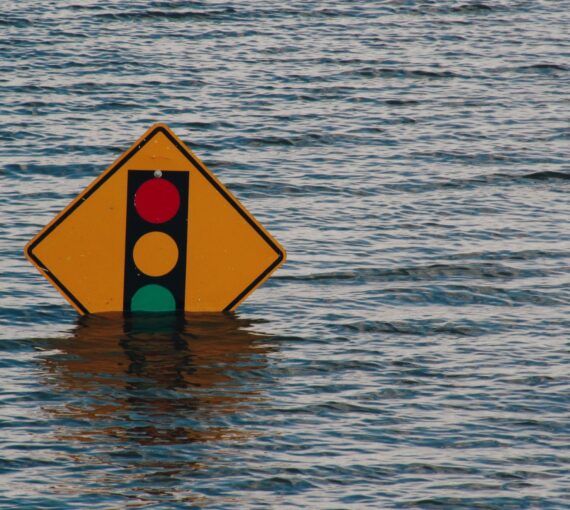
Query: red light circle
x=157 y=200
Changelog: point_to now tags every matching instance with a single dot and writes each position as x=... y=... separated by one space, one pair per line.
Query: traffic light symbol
x=156 y=239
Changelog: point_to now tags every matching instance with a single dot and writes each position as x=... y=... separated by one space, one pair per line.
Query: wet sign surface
x=155 y=232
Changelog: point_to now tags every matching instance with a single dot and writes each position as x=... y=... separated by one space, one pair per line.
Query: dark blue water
x=411 y=156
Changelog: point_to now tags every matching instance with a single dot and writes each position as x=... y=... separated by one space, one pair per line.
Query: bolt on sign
x=155 y=232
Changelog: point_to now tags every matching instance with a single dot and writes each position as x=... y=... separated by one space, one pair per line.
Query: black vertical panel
x=176 y=227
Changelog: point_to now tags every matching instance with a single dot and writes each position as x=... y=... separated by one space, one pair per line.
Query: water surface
x=411 y=156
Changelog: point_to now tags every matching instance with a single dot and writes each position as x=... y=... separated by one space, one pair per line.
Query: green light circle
x=153 y=298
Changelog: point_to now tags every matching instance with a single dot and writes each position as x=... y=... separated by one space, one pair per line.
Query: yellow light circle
x=155 y=253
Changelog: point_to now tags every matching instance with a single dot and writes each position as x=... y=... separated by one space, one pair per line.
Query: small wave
x=534 y=69
x=300 y=12
x=27 y=170
x=468 y=8
x=492 y=158
x=419 y=468
x=455 y=155
x=167 y=15
x=325 y=13
x=472 y=7
x=485 y=270
x=533 y=380
x=304 y=140
x=273 y=188
x=38 y=316
x=171 y=4
x=391 y=72
x=422 y=186
x=547 y=175
x=330 y=407
x=15 y=22
x=544 y=68
x=202 y=126
x=425 y=327
x=529 y=425
x=511 y=255
x=401 y=102
x=494 y=179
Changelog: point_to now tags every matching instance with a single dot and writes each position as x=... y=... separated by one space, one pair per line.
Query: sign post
x=155 y=232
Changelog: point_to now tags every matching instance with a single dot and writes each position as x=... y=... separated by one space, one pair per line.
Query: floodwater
x=412 y=158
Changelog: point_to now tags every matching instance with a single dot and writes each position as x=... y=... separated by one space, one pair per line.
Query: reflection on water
x=154 y=380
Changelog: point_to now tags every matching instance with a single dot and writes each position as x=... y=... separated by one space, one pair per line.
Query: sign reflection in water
x=144 y=393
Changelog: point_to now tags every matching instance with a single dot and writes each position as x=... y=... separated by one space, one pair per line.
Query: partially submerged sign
x=155 y=232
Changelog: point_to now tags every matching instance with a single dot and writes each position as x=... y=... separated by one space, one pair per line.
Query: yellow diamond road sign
x=155 y=232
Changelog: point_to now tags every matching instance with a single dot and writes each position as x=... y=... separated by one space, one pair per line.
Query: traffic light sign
x=155 y=241
x=157 y=231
